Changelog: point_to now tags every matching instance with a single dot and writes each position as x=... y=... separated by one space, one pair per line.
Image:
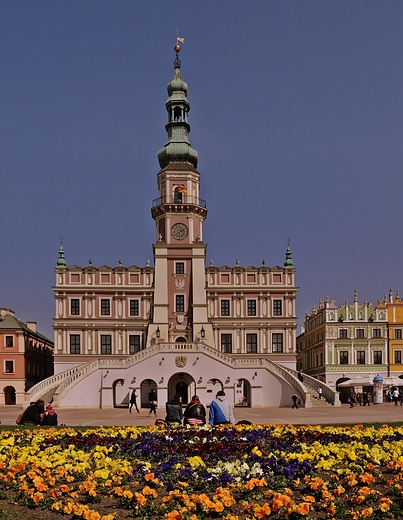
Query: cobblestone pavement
x=383 y=413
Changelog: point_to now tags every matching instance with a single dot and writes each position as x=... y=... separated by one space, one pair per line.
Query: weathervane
x=61 y=239
x=177 y=62
x=288 y=241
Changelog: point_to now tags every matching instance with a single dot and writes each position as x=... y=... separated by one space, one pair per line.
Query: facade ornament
x=211 y=263
x=180 y=283
x=181 y=361
x=148 y=262
x=237 y=262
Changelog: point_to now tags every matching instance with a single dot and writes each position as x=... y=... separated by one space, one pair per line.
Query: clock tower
x=180 y=304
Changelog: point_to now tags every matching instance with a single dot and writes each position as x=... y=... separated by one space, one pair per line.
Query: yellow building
x=395 y=324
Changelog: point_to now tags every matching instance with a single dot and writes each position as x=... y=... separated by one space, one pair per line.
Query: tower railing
x=180 y=198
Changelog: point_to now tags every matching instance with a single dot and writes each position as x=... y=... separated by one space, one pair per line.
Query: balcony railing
x=180 y=198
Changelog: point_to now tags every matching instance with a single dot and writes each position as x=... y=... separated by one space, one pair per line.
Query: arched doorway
x=181 y=339
x=183 y=384
x=145 y=388
x=120 y=395
x=242 y=393
x=9 y=395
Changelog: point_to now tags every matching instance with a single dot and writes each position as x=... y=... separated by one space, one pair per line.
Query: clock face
x=179 y=231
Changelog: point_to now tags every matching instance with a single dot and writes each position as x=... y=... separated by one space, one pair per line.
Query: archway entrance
x=145 y=388
x=120 y=395
x=9 y=395
x=182 y=384
x=242 y=393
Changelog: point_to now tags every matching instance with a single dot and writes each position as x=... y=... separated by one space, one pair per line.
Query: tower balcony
x=179 y=203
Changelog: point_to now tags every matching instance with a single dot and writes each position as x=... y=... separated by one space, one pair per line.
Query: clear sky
x=296 y=112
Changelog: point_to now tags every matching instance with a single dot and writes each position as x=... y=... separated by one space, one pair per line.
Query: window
x=359 y=333
x=343 y=333
x=134 y=343
x=179 y=267
x=226 y=343
x=105 y=307
x=251 y=307
x=9 y=341
x=74 y=343
x=225 y=307
x=74 y=306
x=344 y=357
x=361 y=357
x=377 y=357
x=9 y=367
x=398 y=357
x=180 y=303
x=251 y=343
x=177 y=196
x=134 y=308
x=277 y=308
x=106 y=344
x=277 y=342
x=398 y=333
x=376 y=333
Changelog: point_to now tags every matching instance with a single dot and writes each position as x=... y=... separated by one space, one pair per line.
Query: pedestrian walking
x=152 y=398
x=320 y=392
x=395 y=395
x=133 y=401
x=300 y=376
x=295 y=400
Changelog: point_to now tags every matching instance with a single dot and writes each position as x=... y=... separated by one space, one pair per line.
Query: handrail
x=185 y=199
x=63 y=381
x=328 y=393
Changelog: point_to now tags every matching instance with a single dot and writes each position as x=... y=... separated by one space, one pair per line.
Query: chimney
x=31 y=325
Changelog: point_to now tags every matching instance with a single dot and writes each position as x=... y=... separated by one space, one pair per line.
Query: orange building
x=26 y=357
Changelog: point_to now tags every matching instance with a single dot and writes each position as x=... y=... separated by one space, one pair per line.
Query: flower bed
x=241 y=472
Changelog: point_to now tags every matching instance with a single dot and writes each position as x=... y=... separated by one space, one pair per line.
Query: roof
x=9 y=322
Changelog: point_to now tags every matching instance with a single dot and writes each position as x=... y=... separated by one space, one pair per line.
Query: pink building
x=26 y=357
x=177 y=325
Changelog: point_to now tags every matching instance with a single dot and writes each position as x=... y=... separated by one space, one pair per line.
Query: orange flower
x=303 y=508
x=331 y=509
x=367 y=478
x=149 y=476
x=261 y=511
x=289 y=491
x=174 y=515
x=367 y=512
x=148 y=491
x=37 y=497
x=127 y=494
x=385 y=504
x=338 y=491
x=316 y=483
x=141 y=499
x=360 y=499
x=364 y=491
x=219 y=507
x=64 y=488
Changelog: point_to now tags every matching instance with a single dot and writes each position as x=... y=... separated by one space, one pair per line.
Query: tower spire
x=177 y=148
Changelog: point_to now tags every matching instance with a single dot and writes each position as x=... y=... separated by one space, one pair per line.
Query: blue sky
x=296 y=112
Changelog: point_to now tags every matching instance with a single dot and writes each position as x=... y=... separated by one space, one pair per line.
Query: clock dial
x=179 y=231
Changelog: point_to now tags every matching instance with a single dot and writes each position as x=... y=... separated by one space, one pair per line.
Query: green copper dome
x=177 y=148
x=288 y=264
x=61 y=262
